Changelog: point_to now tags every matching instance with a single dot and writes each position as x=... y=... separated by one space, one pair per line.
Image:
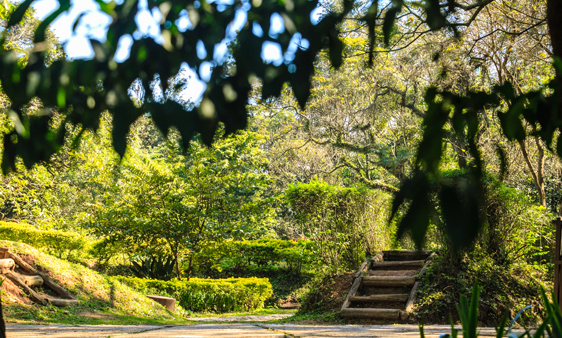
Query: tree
x=346 y=224
x=183 y=201
x=82 y=90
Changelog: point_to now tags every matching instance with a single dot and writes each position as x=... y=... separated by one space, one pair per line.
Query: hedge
x=52 y=241
x=208 y=295
x=294 y=255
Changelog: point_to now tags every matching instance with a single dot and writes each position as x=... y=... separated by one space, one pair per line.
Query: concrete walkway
x=258 y=318
x=230 y=331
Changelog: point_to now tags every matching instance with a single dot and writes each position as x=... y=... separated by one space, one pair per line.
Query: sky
x=94 y=25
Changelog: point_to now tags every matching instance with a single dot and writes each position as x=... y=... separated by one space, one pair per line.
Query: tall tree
x=183 y=202
x=82 y=90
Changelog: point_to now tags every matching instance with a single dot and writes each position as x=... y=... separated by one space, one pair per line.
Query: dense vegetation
x=416 y=147
x=113 y=301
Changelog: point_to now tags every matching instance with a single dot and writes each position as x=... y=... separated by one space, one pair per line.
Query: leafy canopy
x=82 y=89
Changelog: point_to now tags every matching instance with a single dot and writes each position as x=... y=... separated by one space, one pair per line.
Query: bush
x=238 y=255
x=504 y=289
x=53 y=241
x=286 y=284
x=346 y=224
x=208 y=295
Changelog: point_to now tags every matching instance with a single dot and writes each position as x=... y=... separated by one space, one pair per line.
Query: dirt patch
x=28 y=259
x=97 y=315
x=11 y=293
x=328 y=295
x=289 y=304
x=14 y=294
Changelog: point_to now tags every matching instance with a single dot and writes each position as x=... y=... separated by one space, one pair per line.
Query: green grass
x=75 y=316
x=258 y=312
x=102 y=299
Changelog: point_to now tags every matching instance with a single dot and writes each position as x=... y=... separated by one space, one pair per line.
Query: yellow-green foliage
x=93 y=290
x=293 y=255
x=52 y=241
x=209 y=295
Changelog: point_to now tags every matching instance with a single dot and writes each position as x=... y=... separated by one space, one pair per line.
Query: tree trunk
x=190 y=267
x=2 y=324
x=540 y=171
x=174 y=251
x=554 y=20
x=178 y=272
x=538 y=175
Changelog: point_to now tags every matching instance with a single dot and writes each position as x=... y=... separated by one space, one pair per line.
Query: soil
x=330 y=294
x=289 y=304
x=96 y=315
x=13 y=294
x=28 y=259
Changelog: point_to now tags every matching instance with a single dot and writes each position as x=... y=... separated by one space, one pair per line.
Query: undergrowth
x=286 y=284
x=323 y=297
x=505 y=288
x=101 y=299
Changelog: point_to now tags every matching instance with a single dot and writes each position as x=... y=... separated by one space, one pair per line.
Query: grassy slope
x=101 y=298
x=504 y=289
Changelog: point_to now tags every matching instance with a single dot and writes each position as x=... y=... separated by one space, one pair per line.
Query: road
x=243 y=330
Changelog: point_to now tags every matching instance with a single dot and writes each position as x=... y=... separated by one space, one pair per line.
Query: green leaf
x=19 y=13
x=390 y=18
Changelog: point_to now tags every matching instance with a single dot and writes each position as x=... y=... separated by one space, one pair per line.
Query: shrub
x=208 y=295
x=53 y=241
x=154 y=267
x=346 y=224
x=239 y=255
x=504 y=289
x=515 y=228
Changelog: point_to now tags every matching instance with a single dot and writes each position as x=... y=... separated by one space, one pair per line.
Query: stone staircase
x=385 y=287
x=33 y=282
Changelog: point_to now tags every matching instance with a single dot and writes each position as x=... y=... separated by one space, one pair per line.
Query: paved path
x=260 y=318
x=230 y=331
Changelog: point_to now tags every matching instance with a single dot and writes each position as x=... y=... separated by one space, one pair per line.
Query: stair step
x=391 y=264
x=371 y=313
x=405 y=255
x=380 y=298
x=389 y=280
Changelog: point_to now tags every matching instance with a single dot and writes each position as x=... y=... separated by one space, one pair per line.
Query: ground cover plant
x=506 y=289
x=208 y=295
x=100 y=298
x=468 y=312
x=61 y=243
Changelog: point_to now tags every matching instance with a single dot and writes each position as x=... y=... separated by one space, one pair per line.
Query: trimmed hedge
x=295 y=255
x=208 y=295
x=53 y=241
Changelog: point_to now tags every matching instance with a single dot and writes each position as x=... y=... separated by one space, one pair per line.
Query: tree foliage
x=182 y=201
x=82 y=89
x=347 y=224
